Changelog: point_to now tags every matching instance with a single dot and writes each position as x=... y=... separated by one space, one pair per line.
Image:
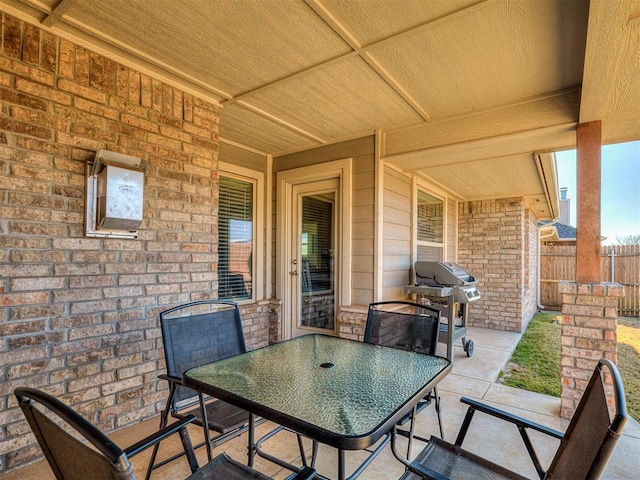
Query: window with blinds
x=235 y=239
x=430 y=227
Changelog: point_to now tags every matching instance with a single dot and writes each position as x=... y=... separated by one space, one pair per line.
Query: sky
x=620 y=184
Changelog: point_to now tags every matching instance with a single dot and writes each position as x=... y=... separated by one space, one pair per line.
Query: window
x=430 y=227
x=235 y=239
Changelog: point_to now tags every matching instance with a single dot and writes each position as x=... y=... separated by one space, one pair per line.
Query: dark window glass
x=235 y=244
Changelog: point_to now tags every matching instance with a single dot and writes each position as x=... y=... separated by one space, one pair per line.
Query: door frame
x=338 y=169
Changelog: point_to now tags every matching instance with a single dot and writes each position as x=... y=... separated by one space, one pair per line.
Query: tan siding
x=452 y=237
x=396 y=216
x=362 y=263
x=363 y=246
x=242 y=158
x=359 y=147
x=396 y=230
x=362 y=214
x=362 y=231
x=397 y=246
x=363 y=205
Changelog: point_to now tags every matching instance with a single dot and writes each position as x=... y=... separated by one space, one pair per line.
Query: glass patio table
x=340 y=392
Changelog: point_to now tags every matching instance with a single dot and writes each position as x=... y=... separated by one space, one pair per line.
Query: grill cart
x=450 y=288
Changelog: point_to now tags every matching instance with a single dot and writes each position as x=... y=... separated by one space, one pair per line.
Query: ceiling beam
x=57 y=12
x=558 y=108
x=518 y=143
x=348 y=38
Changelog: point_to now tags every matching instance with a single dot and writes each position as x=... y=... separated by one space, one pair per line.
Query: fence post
x=613 y=261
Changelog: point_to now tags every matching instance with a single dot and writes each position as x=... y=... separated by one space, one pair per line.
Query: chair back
x=60 y=432
x=197 y=333
x=593 y=431
x=405 y=325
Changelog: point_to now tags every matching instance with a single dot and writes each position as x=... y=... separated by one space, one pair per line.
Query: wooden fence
x=619 y=263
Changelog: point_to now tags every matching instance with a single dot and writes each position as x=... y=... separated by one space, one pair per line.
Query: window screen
x=235 y=241
x=430 y=221
x=430 y=228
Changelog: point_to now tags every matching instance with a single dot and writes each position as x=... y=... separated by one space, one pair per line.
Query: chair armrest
x=307 y=473
x=158 y=436
x=509 y=417
x=170 y=378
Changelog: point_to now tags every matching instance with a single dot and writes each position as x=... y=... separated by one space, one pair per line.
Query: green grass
x=535 y=364
x=629 y=362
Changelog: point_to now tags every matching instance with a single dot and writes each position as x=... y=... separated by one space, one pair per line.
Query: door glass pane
x=317 y=261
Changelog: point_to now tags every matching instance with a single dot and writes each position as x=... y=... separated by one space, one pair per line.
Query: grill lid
x=442 y=273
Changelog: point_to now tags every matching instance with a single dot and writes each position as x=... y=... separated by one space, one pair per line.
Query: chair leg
x=303 y=455
x=411 y=429
x=437 y=405
x=163 y=423
x=205 y=425
x=188 y=450
x=314 y=453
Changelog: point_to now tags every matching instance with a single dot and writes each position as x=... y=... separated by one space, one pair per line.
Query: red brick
x=38 y=118
x=146 y=93
x=187 y=108
x=122 y=81
x=43 y=91
x=110 y=71
x=25 y=129
x=84 y=143
x=11 y=36
x=48 y=52
x=67 y=59
x=31 y=45
x=98 y=110
x=96 y=71
x=134 y=87
x=81 y=73
x=167 y=100
x=81 y=90
x=139 y=123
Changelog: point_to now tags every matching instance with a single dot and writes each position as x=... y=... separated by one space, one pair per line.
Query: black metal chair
x=194 y=334
x=407 y=326
x=77 y=450
x=583 y=452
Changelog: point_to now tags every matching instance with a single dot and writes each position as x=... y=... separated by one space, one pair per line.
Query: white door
x=313 y=268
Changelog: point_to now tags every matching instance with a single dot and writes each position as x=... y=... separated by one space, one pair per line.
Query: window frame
x=256 y=179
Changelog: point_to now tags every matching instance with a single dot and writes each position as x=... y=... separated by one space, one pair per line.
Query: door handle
x=295 y=272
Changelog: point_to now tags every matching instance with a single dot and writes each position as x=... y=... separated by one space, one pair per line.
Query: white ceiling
x=464 y=93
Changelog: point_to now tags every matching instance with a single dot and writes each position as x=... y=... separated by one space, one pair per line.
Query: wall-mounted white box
x=115 y=195
x=120 y=197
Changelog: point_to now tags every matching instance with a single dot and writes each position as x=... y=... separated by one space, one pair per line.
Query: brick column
x=589 y=324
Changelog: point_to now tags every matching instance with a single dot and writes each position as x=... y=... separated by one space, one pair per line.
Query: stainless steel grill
x=449 y=287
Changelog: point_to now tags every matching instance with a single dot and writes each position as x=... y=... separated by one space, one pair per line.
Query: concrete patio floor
x=474 y=377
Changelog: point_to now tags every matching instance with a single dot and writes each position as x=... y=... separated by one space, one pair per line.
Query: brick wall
x=352 y=324
x=530 y=280
x=589 y=333
x=79 y=315
x=493 y=245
